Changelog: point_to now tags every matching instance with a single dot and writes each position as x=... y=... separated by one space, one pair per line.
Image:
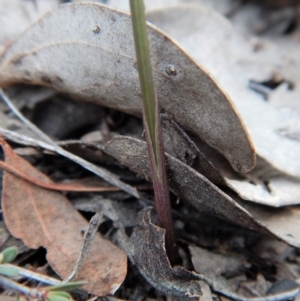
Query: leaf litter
x=272 y=144
x=56 y=225
x=283 y=222
x=205 y=196
x=146 y=250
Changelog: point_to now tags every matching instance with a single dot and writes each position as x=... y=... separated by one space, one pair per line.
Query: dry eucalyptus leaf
x=46 y=218
x=276 y=192
x=263 y=185
x=93 y=50
x=184 y=181
x=233 y=60
x=205 y=196
x=146 y=250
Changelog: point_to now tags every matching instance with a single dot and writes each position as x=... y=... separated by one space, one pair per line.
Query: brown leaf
x=80 y=186
x=93 y=50
x=146 y=249
x=45 y=218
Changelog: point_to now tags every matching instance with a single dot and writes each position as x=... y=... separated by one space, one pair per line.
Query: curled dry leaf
x=46 y=218
x=233 y=61
x=146 y=250
x=93 y=50
x=205 y=196
x=184 y=181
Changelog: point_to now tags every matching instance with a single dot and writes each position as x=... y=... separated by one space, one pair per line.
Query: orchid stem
x=152 y=126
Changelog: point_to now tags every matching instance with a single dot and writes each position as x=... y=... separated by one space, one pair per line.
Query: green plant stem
x=153 y=128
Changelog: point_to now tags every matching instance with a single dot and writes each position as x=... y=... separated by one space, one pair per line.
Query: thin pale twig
x=27 y=122
x=99 y=171
x=11 y=284
x=87 y=242
x=55 y=186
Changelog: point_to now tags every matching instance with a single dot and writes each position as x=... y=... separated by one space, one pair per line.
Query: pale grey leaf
x=93 y=50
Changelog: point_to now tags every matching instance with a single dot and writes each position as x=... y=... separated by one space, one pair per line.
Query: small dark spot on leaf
x=46 y=79
x=51 y=80
x=58 y=80
x=113 y=18
x=135 y=66
x=27 y=76
x=106 y=280
x=267 y=187
x=17 y=61
x=13 y=127
x=96 y=29
x=171 y=70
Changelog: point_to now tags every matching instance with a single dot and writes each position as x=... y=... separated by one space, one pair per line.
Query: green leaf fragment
x=65 y=286
x=9 y=254
x=59 y=296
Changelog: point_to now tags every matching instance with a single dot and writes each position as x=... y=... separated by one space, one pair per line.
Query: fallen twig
x=50 y=145
x=99 y=171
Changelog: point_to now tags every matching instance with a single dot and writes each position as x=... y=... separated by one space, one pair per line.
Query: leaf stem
x=152 y=126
